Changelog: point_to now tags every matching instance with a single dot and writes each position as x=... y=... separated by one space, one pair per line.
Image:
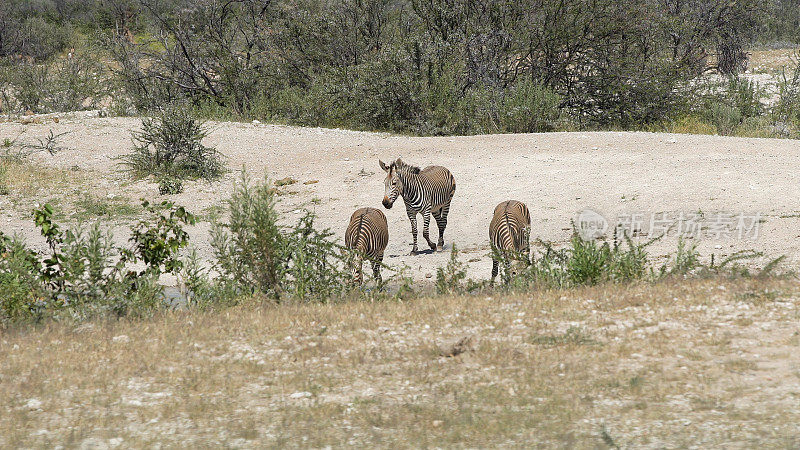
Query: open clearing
x=617 y=174
x=697 y=363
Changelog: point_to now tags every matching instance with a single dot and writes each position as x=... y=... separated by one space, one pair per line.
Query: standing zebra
x=367 y=235
x=426 y=191
x=509 y=233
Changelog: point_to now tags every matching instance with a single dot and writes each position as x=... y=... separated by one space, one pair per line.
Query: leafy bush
x=725 y=118
x=257 y=255
x=170 y=186
x=66 y=84
x=529 y=107
x=84 y=274
x=171 y=145
x=583 y=262
x=786 y=112
x=451 y=279
x=433 y=67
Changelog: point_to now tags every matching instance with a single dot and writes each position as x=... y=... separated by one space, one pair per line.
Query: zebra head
x=355 y=271
x=393 y=183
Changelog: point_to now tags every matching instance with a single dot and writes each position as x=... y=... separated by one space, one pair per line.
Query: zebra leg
x=412 y=216
x=494 y=269
x=441 y=223
x=376 y=268
x=426 y=225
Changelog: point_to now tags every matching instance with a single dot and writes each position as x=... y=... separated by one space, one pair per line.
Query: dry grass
x=22 y=178
x=693 y=363
x=772 y=60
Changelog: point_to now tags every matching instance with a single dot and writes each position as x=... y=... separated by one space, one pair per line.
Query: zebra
x=367 y=235
x=509 y=233
x=425 y=191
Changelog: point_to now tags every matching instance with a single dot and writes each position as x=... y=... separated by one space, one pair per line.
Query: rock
x=256 y=122
x=457 y=347
x=33 y=404
x=311 y=182
x=121 y=339
x=428 y=275
x=303 y=394
x=55 y=119
x=437 y=423
x=285 y=181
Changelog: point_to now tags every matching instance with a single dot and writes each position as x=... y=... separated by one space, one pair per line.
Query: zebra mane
x=405 y=168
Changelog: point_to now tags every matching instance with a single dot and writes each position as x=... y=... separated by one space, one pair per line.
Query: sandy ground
x=616 y=174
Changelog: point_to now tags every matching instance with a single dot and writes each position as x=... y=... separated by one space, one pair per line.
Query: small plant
x=49 y=144
x=452 y=278
x=170 y=186
x=573 y=336
x=171 y=145
x=4 y=188
x=686 y=259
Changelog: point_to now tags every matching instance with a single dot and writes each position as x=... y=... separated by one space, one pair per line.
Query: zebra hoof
x=439 y=247
x=414 y=253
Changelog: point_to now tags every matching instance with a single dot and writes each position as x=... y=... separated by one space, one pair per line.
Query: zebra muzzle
x=386 y=203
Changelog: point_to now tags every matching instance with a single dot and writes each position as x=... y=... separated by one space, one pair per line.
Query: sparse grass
x=368 y=374
x=24 y=178
x=89 y=207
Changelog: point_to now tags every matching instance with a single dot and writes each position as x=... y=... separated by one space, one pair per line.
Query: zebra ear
x=383 y=166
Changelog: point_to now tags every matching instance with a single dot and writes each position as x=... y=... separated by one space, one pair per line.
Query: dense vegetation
x=419 y=66
x=83 y=274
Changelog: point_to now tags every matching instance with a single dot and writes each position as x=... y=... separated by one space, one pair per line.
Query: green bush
x=451 y=279
x=170 y=186
x=83 y=274
x=21 y=293
x=67 y=84
x=529 y=108
x=257 y=255
x=583 y=262
x=724 y=117
x=171 y=145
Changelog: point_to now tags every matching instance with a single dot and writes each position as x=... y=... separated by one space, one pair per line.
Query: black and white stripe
x=367 y=235
x=425 y=191
x=509 y=232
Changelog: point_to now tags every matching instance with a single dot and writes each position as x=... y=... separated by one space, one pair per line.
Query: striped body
x=367 y=235
x=425 y=191
x=509 y=231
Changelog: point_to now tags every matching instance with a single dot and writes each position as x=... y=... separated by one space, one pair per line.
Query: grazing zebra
x=425 y=191
x=509 y=232
x=367 y=235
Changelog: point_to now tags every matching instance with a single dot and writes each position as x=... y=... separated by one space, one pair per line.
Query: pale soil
x=679 y=364
x=556 y=174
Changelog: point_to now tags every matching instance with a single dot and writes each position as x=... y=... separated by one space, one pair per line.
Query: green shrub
x=528 y=108
x=22 y=295
x=67 y=84
x=83 y=274
x=583 y=262
x=170 y=186
x=171 y=145
x=452 y=278
x=31 y=86
x=725 y=118
x=257 y=255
